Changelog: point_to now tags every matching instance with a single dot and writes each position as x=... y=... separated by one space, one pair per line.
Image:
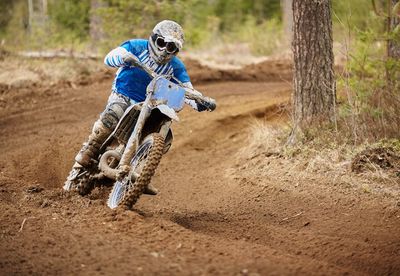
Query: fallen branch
x=22 y=225
x=287 y=218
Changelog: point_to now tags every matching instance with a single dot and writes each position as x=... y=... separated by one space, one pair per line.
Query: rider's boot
x=90 y=149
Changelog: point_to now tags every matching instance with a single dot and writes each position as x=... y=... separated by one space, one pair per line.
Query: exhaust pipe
x=105 y=167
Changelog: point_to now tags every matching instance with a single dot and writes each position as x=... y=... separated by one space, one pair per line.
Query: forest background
x=30 y=24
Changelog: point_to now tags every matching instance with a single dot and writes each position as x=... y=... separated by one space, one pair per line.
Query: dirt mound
x=20 y=73
x=272 y=70
x=20 y=85
x=370 y=159
x=19 y=78
x=24 y=87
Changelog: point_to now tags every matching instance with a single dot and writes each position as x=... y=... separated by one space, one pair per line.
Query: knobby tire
x=149 y=168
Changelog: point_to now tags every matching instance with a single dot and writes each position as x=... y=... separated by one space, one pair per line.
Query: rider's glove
x=201 y=107
x=209 y=105
x=130 y=59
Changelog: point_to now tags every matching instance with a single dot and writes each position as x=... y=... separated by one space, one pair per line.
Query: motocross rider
x=129 y=86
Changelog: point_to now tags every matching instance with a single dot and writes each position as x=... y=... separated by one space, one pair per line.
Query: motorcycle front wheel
x=143 y=166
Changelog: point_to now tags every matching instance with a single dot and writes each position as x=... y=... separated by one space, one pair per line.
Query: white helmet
x=166 y=41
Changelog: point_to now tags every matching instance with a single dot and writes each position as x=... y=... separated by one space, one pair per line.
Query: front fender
x=167 y=111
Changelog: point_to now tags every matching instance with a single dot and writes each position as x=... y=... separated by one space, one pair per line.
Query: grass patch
x=322 y=159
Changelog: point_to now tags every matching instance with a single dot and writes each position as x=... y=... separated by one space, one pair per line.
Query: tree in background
x=37 y=13
x=6 y=8
x=287 y=16
x=76 y=23
x=96 y=22
x=314 y=93
x=393 y=48
x=394 y=28
x=392 y=37
x=205 y=22
x=40 y=24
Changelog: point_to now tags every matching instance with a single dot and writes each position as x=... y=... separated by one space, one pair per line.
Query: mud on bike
x=132 y=152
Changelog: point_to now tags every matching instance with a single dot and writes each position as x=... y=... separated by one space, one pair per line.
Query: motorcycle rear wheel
x=144 y=164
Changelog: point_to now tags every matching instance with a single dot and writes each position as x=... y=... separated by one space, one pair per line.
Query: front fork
x=133 y=141
x=165 y=129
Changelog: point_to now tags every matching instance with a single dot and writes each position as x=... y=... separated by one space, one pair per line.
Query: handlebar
x=191 y=93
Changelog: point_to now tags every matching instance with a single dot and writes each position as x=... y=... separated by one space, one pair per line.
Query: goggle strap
x=154 y=37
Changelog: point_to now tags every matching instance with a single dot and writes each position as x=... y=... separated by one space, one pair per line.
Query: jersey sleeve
x=180 y=71
x=134 y=46
x=114 y=57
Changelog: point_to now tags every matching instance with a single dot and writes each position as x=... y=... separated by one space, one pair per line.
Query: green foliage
x=124 y=19
x=355 y=18
x=233 y=12
x=355 y=14
x=264 y=38
x=71 y=16
x=6 y=8
x=66 y=23
x=204 y=22
x=16 y=26
x=370 y=109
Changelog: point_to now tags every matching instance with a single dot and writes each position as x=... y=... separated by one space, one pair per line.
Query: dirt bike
x=132 y=152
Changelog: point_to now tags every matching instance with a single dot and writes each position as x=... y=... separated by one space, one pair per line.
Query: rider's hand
x=130 y=59
x=209 y=104
x=201 y=107
x=212 y=105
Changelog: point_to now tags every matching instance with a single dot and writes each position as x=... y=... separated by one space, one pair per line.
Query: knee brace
x=112 y=114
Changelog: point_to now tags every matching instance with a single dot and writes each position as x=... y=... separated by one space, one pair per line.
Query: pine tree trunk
x=394 y=45
x=96 y=23
x=30 y=14
x=314 y=93
x=44 y=7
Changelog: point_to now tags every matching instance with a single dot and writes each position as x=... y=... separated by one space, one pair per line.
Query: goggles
x=170 y=47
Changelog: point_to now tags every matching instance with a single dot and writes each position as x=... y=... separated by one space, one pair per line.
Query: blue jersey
x=133 y=81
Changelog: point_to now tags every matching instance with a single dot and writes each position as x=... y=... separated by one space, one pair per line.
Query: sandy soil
x=205 y=221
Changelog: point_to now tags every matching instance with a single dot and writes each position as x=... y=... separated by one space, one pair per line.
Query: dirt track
x=202 y=222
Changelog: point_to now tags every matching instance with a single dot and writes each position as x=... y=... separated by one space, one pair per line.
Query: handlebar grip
x=209 y=103
x=212 y=105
